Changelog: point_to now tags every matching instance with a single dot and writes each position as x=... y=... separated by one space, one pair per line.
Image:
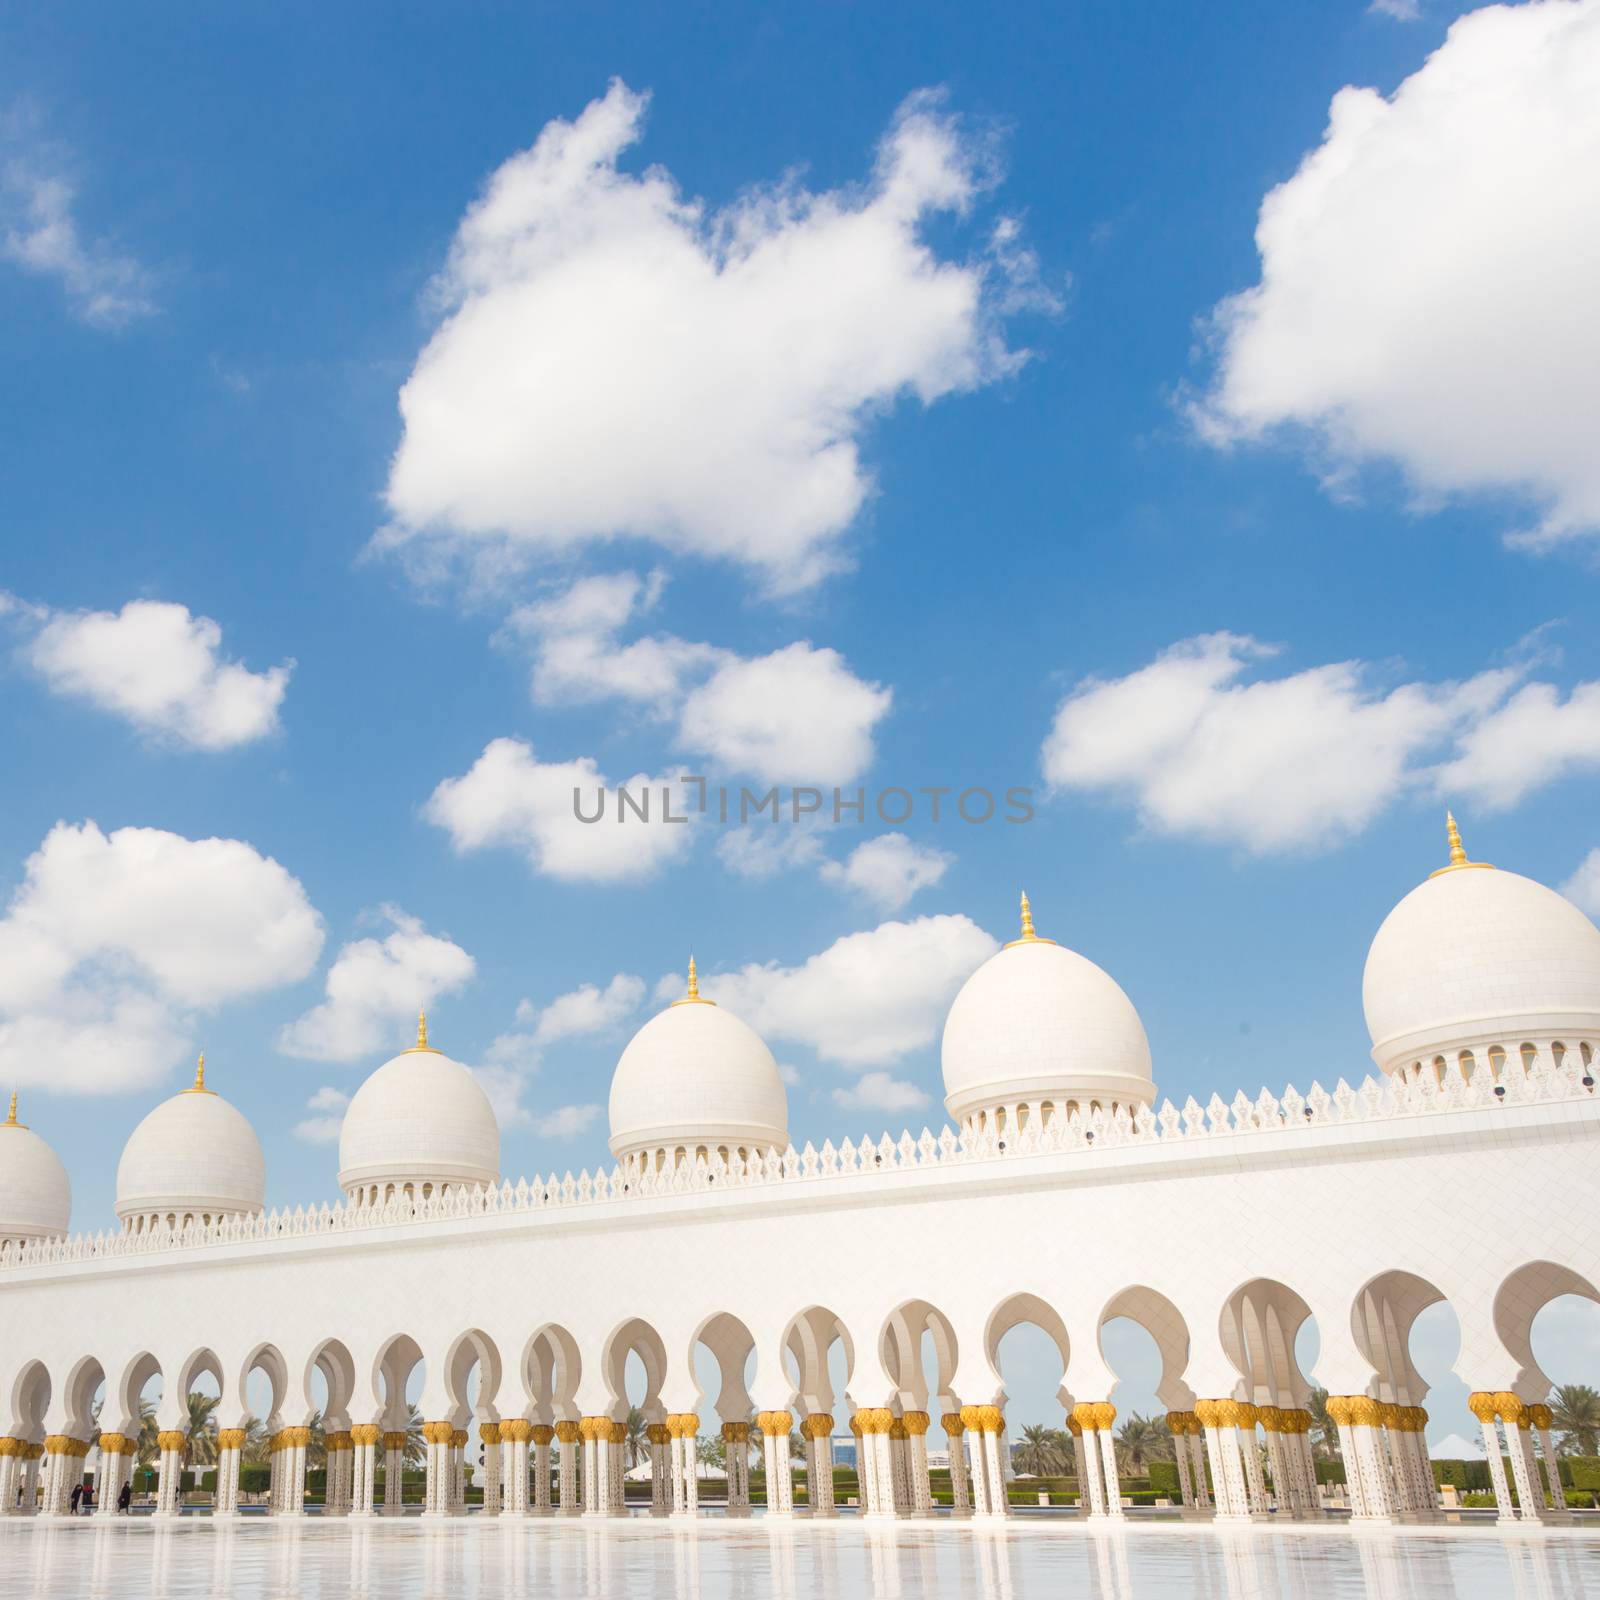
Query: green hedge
x=1581 y=1472
x=1463 y=1475
x=1164 y=1478
x=1329 y=1471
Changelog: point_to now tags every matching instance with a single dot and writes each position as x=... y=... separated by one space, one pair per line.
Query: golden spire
x=692 y=995
x=199 y=1084
x=11 y=1116
x=1028 y=936
x=1458 y=853
x=422 y=1037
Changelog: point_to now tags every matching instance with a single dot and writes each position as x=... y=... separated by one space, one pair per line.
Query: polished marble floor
x=757 y=1560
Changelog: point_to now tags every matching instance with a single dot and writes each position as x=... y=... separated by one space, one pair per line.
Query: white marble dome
x=194 y=1158
x=1475 y=958
x=35 y=1194
x=1039 y=1024
x=693 y=1078
x=419 y=1124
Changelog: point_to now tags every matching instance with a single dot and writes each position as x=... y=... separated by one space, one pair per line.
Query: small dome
x=35 y=1196
x=194 y=1157
x=420 y=1123
x=695 y=1077
x=1039 y=1024
x=1474 y=957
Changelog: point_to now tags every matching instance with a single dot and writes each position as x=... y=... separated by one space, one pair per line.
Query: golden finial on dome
x=422 y=1037
x=199 y=1084
x=11 y=1116
x=1028 y=936
x=692 y=995
x=1458 y=853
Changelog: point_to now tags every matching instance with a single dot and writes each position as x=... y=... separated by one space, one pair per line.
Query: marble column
x=515 y=1434
x=817 y=1431
x=1542 y=1418
x=775 y=1426
x=394 y=1457
x=960 y=1486
x=489 y=1433
x=543 y=1435
x=569 y=1436
x=365 y=1438
x=1485 y=1407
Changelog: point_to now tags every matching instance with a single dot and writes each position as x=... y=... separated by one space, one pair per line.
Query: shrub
x=1581 y=1472
x=1329 y=1471
x=1583 y=1499
x=1477 y=1501
x=1472 y=1475
x=1164 y=1478
x=255 y=1477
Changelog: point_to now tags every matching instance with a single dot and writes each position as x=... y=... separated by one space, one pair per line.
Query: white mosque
x=1062 y=1195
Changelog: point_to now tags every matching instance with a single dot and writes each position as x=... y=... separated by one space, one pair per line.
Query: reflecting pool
x=719 y=1560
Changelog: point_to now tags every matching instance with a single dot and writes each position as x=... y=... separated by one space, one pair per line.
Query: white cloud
x=505 y=1087
x=1427 y=276
x=877 y=1091
x=616 y=360
x=115 y=945
x=1534 y=739
x=1583 y=887
x=105 y=286
x=375 y=988
x=324 y=1128
x=759 y=851
x=589 y=1009
x=578 y=658
x=796 y=716
x=509 y=799
x=868 y=999
x=1396 y=10
x=888 y=870
x=1274 y=765
x=157 y=666
x=565 y=1122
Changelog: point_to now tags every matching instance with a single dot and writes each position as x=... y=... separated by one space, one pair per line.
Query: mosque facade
x=1061 y=1194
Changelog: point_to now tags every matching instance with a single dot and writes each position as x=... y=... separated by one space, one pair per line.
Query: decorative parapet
x=1171 y=1128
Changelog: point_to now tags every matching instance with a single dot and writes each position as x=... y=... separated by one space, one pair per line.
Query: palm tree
x=1038 y=1455
x=416 y=1450
x=148 y=1449
x=1141 y=1440
x=201 y=1429
x=1324 y=1430
x=255 y=1441
x=1577 y=1418
x=638 y=1435
x=317 y=1450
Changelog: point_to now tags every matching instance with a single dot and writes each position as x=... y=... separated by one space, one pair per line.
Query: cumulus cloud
x=1583 y=887
x=762 y=850
x=157 y=666
x=115 y=945
x=1273 y=765
x=588 y=1009
x=868 y=999
x=1427 y=277
x=798 y=715
x=877 y=1091
x=509 y=799
x=325 y=1127
x=1535 y=738
x=1396 y=10
x=888 y=870
x=615 y=359
x=105 y=285
x=578 y=657
x=506 y=1086
x=374 y=990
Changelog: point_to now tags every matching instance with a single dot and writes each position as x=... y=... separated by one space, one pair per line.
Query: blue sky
x=876 y=380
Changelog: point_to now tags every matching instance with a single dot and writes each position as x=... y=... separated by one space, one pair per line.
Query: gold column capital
x=516 y=1430
x=366 y=1433
x=394 y=1439
x=543 y=1432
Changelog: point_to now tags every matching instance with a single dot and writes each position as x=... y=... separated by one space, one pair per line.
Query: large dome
x=420 y=1123
x=35 y=1196
x=194 y=1158
x=694 y=1078
x=1474 y=958
x=1039 y=1024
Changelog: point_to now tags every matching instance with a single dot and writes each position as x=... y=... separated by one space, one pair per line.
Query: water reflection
x=254 y=1559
